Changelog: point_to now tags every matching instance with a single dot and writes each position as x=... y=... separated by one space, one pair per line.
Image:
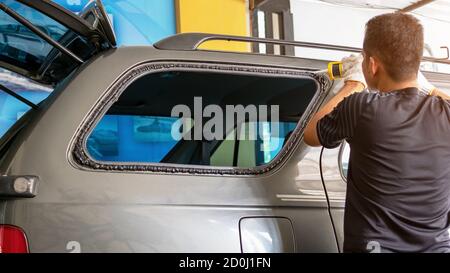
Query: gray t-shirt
x=398 y=185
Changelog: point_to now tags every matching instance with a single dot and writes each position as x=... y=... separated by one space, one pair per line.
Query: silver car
x=89 y=164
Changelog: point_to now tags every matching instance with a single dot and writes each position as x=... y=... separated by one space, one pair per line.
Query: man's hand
x=354 y=82
x=352 y=69
x=429 y=88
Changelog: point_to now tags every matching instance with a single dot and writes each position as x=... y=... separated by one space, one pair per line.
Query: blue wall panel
x=136 y=22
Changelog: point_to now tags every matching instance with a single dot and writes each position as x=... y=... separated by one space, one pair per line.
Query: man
x=398 y=185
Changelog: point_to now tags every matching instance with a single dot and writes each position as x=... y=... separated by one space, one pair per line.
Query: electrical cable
x=327 y=197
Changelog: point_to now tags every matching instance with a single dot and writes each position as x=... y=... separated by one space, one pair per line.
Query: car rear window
x=141 y=126
x=23 y=51
x=21 y=46
x=37 y=65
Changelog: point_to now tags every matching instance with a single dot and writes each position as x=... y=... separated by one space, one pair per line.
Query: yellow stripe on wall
x=215 y=16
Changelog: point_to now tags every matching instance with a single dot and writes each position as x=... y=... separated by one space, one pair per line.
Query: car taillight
x=12 y=240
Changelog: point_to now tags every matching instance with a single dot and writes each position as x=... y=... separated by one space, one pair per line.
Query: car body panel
x=141 y=212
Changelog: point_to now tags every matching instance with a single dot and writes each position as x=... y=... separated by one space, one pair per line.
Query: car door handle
x=20 y=186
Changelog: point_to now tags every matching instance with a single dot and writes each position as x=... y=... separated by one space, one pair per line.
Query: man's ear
x=374 y=65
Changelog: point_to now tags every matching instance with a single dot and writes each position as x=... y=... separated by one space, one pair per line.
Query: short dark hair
x=397 y=40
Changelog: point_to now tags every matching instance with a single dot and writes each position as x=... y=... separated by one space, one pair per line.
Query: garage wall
x=141 y=21
x=320 y=22
x=215 y=16
x=136 y=22
x=330 y=24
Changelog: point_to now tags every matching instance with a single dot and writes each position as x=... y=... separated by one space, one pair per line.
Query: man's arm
x=353 y=82
x=350 y=87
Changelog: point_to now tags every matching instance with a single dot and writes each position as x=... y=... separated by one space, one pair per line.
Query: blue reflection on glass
x=124 y=138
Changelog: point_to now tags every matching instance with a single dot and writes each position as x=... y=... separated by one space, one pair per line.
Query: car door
x=335 y=166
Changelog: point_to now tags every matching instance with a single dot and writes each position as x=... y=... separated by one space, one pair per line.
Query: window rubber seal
x=79 y=157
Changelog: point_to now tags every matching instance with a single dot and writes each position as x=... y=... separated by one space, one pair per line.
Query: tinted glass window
x=11 y=109
x=36 y=64
x=132 y=138
x=257 y=152
x=142 y=127
x=24 y=52
x=21 y=46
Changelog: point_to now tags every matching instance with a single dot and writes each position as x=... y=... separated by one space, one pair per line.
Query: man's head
x=393 y=48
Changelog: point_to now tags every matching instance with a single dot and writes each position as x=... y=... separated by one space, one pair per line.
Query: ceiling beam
x=415 y=5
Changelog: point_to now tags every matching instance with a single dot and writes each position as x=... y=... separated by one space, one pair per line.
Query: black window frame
x=80 y=158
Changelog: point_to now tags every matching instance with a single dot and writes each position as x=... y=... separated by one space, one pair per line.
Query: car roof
x=139 y=54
